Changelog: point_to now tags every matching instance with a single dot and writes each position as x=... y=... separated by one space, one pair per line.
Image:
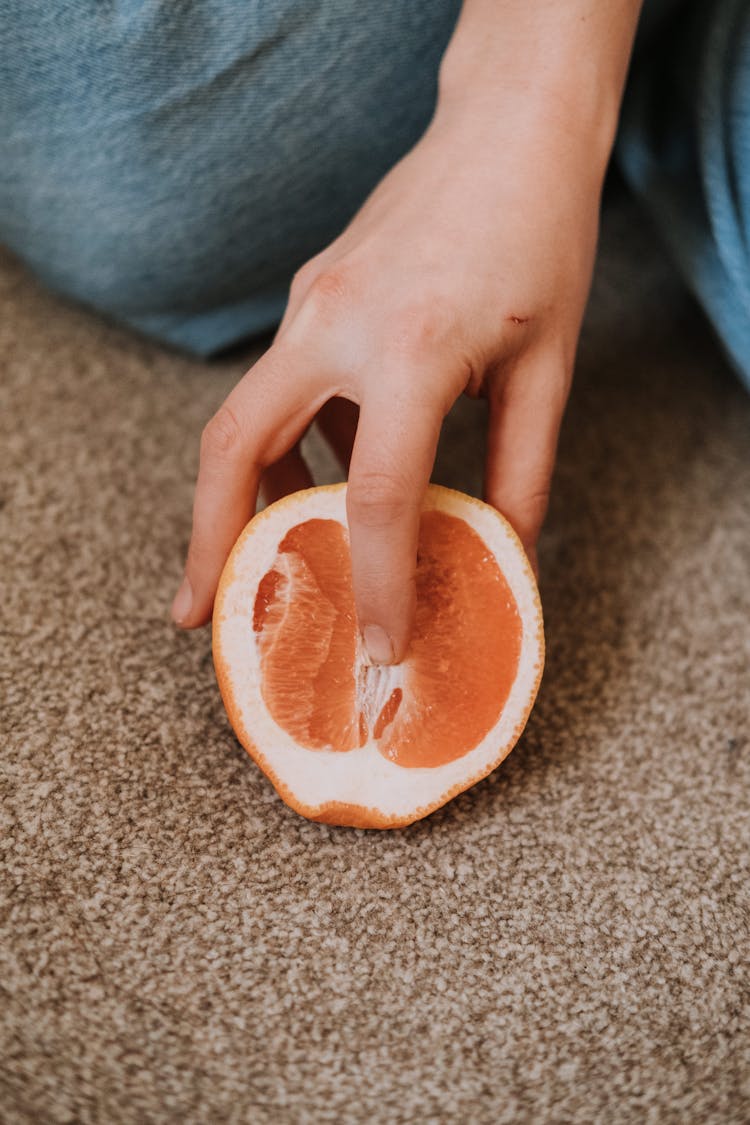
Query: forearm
x=565 y=60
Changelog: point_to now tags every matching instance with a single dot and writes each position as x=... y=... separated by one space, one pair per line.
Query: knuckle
x=525 y=510
x=419 y=328
x=533 y=509
x=222 y=436
x=303 y=278
x=330 y=287
x=538 y=501
x=377 y=499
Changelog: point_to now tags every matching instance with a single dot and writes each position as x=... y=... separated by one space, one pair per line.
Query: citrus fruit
x=347 y=742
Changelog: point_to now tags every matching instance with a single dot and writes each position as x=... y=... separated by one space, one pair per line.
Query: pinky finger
x=524 y=424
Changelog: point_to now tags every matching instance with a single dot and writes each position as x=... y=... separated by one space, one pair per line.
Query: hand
x=467 y=270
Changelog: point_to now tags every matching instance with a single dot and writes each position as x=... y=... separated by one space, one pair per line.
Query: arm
x=572 y=54
x=467 y=269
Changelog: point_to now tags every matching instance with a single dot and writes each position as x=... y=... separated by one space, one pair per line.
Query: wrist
x=546 y=123
x=555 y=69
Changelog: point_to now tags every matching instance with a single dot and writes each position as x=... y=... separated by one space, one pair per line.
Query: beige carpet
x=568 y=942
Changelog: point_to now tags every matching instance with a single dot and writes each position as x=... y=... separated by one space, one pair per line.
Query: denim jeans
x=684 y=146
x=172 y=164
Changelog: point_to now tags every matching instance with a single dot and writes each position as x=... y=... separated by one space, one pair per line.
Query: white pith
x=375 y=683
x=363 y=776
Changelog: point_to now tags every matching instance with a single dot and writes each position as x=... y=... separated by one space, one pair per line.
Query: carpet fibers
x=567 y=942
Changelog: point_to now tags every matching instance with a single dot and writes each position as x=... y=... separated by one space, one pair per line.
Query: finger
x=524 y=425
x=391 y=464
x=337 y=421
x=300 y=287
x=289 y=474
x=260 y=421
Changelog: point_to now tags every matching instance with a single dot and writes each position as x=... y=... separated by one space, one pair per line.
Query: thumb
x=393 y=455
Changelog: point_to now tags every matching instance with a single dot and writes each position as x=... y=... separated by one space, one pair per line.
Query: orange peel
x=348 y=743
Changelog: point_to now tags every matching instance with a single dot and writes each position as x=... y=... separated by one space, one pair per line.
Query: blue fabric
x=172 y=162
x=685 y=148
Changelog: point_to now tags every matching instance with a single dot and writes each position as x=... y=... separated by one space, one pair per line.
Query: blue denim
x=172 y=162
x=684 y=146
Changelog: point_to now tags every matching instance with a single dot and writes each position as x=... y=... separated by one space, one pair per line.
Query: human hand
x=467 y=269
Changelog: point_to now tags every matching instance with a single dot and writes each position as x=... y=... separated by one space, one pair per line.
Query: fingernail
x=378 y=645
x=183 y=602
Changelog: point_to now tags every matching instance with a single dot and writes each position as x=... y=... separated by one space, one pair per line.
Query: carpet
x=566 y=942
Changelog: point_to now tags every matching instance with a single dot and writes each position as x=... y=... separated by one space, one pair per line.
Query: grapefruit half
x=349 y=743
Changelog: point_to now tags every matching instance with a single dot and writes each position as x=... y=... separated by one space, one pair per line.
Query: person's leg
x=172 y=165
x=684 y=146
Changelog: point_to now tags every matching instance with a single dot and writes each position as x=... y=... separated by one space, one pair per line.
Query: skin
x=466 y=271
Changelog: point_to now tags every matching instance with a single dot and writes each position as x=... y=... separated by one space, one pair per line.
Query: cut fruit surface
x=342 y=740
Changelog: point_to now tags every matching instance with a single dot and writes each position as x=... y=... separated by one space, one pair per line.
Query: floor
x=567 y=942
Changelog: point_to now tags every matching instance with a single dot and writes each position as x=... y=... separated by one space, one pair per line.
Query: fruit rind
x=328 y=791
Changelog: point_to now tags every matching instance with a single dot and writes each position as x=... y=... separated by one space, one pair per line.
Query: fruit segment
x=448 y=692
x=305 y=624
x=464 y=652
